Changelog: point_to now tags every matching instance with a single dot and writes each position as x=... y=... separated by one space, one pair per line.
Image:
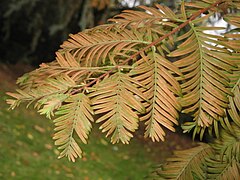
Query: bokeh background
x=32 y=30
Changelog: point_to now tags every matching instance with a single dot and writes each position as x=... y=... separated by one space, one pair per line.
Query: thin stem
x=92 y=68
x=194 y=16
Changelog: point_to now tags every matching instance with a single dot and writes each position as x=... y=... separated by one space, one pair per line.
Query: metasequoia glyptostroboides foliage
x=146 y=65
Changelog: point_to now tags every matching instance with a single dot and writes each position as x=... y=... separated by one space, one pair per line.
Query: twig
x=194 y=16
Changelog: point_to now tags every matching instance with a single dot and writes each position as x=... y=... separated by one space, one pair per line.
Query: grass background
x=27 y=150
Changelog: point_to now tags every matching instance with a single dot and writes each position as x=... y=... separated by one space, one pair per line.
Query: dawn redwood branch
x=194 y=16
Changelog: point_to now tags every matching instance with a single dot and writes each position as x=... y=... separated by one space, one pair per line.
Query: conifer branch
x=194 y=16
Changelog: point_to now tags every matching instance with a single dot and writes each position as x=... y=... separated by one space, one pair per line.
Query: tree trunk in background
x=32 y=30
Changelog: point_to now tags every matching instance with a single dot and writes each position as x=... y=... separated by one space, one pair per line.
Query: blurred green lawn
x=27 y=151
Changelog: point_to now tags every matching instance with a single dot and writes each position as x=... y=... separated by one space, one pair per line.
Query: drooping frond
x=194 y=6
x=104 y=47
x=228 y=145
x=185 y=164
x=206 y=67
x=234 y=103
x=47 y=105
x=150 y=16
x=50 y=94
x=154 y=22
x=222 y=169
x=66 y=64
x=161 y=89
x=75 y=116
x=209 y=63
x=117 y=100
x=234 y=36
x=234 y=42
x=221 y=162
x=225 y=163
